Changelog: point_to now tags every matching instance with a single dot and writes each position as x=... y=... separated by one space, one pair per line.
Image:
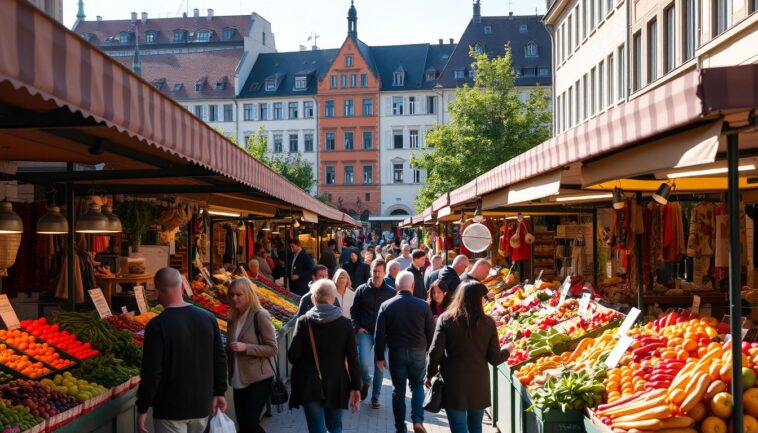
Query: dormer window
x=199 y=86
x=270 y=85
x=124 y=37
x=531 y=50
x=523 y=28
x=204 y=36
x=159 y=84
x=349 y=60
x=301 y=82
x=459 y=74
x=151 y=36
x=488 y=29
x=431 y=75
x=228 y=33
x=398 y=78
x=87 y=36
x=178 y=87
x=220 y=85
x=180 y=35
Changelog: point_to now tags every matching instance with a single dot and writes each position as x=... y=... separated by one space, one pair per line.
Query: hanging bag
x=279 y=394
x=315 y=358
x=528 y=237
x=433 y=396
x=516 y=238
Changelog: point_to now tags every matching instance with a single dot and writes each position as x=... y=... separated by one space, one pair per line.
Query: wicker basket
x=9 y=244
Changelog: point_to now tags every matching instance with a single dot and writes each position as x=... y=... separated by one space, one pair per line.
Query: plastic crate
x=555 y=421
x=62 y=418
x=121 y=389
x=39 y=428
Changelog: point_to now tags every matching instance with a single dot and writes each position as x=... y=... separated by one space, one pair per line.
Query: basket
x=9 y=244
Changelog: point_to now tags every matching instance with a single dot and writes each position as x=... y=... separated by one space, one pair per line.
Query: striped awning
x=441 y=202
x=41 y=57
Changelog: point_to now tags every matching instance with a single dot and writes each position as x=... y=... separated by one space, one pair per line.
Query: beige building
x=54 y=8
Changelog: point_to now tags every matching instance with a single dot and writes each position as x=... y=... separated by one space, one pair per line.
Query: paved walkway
x=368 y=420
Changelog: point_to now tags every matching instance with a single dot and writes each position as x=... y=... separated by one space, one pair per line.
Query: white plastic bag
x=220 y=423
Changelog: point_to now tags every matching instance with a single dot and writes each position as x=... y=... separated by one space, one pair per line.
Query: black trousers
x=249 y=403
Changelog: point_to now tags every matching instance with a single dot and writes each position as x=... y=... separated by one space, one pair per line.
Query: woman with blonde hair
x=345 y=293
x=252 y=343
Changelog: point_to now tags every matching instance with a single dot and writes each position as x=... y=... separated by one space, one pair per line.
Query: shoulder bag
x=315 y=358
x=279 y=394
x=433 y=396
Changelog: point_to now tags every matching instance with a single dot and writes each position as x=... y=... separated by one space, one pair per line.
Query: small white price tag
x=139 y=294
x=187 y=287
x=615 y=356
x=538 y=281
x=101 y=305
x=584 y=304
x=124 y=310
x=565 y=288
x=696 y=304
x=549 y=292
x=8 y=313
x=628 y=322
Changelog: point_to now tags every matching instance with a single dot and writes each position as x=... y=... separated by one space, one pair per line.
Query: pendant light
x=10 y=222
x=663 y=193
x=266 y=226
x=93 y=221
x=275 y=228
x=52 y=222
x=618 y=198
x=114 y=223
x=296 y=224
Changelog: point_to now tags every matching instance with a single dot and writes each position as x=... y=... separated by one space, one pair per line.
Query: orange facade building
x=348 y=101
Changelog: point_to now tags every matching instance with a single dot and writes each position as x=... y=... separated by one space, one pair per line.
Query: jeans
x=366 y=356
x=321 y=419
x=465 y=421
x=180 y=426
x=407 y=366
x=249 y=403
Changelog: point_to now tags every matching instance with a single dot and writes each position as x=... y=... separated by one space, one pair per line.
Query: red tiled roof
x=187 y=69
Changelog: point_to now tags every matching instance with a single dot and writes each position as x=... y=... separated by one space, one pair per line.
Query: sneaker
x=375 y=403
x=364 y=391
x=419 y=428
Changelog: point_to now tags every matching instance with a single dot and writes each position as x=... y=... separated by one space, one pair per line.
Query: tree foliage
x=491 y=123
x=294 y=168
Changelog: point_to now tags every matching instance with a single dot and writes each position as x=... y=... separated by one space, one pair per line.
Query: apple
x=748 y=378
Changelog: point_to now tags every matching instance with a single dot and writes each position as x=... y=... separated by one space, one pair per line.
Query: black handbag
x=279 y=394
x=433 y=396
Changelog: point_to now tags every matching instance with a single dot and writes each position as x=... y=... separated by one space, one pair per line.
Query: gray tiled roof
x=287 y=66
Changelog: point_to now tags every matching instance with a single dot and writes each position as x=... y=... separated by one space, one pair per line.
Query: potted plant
x=136 y=216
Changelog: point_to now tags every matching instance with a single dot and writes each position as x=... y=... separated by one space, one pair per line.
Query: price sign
x=538 y=281
x=696 y=304
x=206 y=276
x=629 y=321
x=615 y=356
x=187 y=287
x=8 y=314
x=124 y=310
x=139 y=294
x=584 y=304
x=565 y=288
x=101 y=305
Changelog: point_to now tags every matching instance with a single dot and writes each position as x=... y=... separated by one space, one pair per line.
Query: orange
x=750 y=400
x=721 y=405
x=713 y=424
x=698 y=412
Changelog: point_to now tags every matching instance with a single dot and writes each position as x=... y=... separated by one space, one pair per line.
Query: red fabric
x=524 y=252
x=30 y=273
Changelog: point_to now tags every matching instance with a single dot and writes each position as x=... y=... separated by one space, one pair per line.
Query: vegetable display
x=570 y=390
x=62 y=340
x=105 y=370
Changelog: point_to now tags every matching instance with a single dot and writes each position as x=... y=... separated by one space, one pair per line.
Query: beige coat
x=253 y=363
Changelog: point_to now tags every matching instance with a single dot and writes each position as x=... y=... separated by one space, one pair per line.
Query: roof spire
x=80 y=13
x=352 y=21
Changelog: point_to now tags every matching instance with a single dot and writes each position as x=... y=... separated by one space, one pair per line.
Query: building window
x=368 y=140
x=330 y=139
x=343 y=78
x=411 y=105
x=293 y=143
x=593 y=82
x=278 y=111
x=584 y=18
x=488 y=29
x=368 y=197
x=177 y=87
x=204 y=36
x=368 y=106
x=398 y=78
x=413 y=138
x=270 y=85
x=247 y=112
x=179 y=35
x=669 y=36
x=652 y=51
x=263 y=111
x=592 y=14
x=199 y=112
x=543 y=72
x=585 y=97
x=576 y=26
x=472 y=73
x=124 y=37
x=527 y=72
x=364 y=80
x=353 y=80
x=397 y=139
x=531 y=49
x=349 y=108
x=292 y=110
x=228 y=33
x=329 y=108
x=397 y=173
x=570 y=104
x=431 y=75
x=333 y=82
x=620 y=83
x=722 y=14
x=570 y=34
x=349 y=141
x=458 y=74
x=431 y=105
x=577 y=103
x=523 y=28
x=349 y=175
x=637 y=61
x=308 y=142
x=228 y=113
x=599 y=11
x=331 y=175
x=263 y=37
x=307 y=109
x=277 y=143
x=220 y=85
x=349 y=60
x=368 y=175
x=212 y=113
x=609 y=74
x=247 y=140
x=150 y=37
x=397 y=105
x=558 y=114
x=689 y=36
x=601 y=86
x=301 y=83
x=416 y=175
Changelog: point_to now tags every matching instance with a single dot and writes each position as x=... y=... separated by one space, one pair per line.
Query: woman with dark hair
x=465 y=341
x=358 y=271
x=438 y=298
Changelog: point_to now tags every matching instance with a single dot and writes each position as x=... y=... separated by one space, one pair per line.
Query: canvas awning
x=544 y=185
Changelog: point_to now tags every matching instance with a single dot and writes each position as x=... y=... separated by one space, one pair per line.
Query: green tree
x=490 y=123
x=294 y=168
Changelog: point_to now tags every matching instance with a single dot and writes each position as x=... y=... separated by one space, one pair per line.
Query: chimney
x=477 y=12
x=144 y=17
x=184 y=14
x=510 y=14
x=441 y=41
x=134 y=17
x=451 y=41
x=210 y=14
x=99 y=18
x=196 y=13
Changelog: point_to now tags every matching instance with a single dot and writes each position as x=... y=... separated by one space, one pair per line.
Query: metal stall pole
x=210 y=246
x=735 y=311
x=594 y=247
x=444 y=241
x=638 y=254
x=70 y=242
x=190 y=248
x=287 y=265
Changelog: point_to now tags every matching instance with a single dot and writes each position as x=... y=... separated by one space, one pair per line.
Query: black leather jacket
x=368 y=299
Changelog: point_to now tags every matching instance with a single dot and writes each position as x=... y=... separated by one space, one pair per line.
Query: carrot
x=637 y=405
x=678 y=422
x=581 y=348
x=714 y=388
x=619 y=402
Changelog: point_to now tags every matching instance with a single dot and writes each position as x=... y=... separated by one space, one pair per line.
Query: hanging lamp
x=10 y=222
x=618 y=198
x=663 y=193
x=296 y=224
x=478 y=217
x=93 y=221
x=266 y=226
x=114 y=223
x=52 y=222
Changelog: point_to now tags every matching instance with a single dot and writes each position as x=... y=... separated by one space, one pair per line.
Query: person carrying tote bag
x=326 y=374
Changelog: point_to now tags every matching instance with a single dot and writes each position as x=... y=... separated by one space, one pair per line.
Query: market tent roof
x=64 y=91
x=441 y=202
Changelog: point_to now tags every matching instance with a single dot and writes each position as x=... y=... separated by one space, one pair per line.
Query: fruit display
x=28 y=344
x=80 y=389
x=41 y=400
x=124 y=323
x=144 y=318
x=16 y=419
x=104 y=337
x=25 y=366
x=62 y=340
x=211 y=304
x=105 y=370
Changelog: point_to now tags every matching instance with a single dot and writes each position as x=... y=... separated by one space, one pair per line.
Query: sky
x=380 y=22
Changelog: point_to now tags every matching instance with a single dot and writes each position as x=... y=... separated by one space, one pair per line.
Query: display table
x=109 y=285
x=116 y=416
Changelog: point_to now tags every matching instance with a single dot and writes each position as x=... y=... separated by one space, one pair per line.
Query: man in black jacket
x=368 y=298
x=183 y=363
x=300 y=268
x=451 y=274
x=405 y=324
x=418 y=259
x=306 y=301
x=328 y=258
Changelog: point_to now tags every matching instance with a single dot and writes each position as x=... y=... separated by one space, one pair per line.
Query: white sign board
x=565 y=288
x=629 y=321
x=584 y=304
x=8 y=314
x=615 y=356
x=139 y=294
x=187 y=287
x=101 y=304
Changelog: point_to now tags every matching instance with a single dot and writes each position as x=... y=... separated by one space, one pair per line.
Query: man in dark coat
x=328 y=258
x=451 y=274
x=300 y=268
x=393 y=268
x=418 y=259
